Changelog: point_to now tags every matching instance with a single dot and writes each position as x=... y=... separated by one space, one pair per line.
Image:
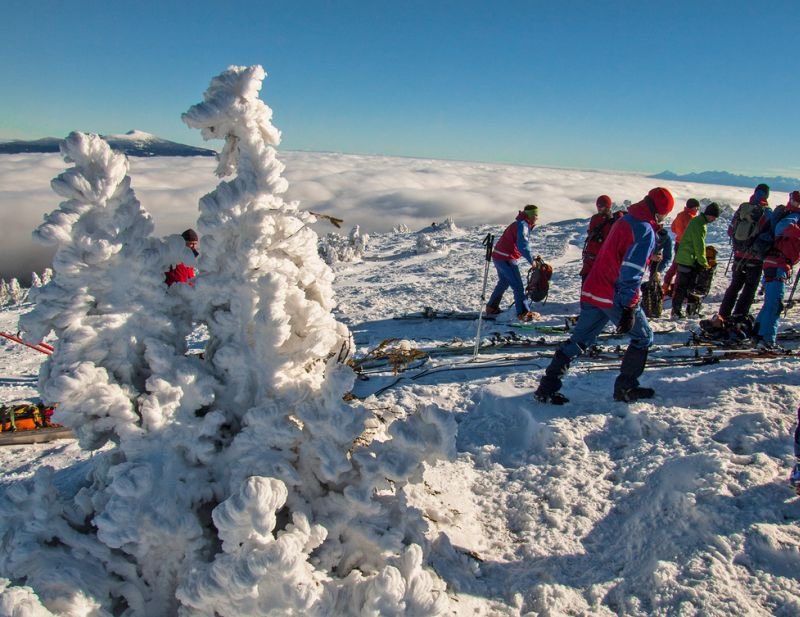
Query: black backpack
x=538 y=280
x=652 y=299
x=764 y=241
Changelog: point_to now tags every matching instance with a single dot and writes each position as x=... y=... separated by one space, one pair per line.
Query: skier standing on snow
x=747 y=267
x=778 y=264
x=599 y=228
x=691 y=258
x=512 y=245
x=183 y=273
x=678 y=227
x=611 y=293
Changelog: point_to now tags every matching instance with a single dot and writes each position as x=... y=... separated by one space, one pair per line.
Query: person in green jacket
x=691 y=258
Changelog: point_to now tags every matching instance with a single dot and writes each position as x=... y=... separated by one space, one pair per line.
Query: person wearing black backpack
x=745 y=226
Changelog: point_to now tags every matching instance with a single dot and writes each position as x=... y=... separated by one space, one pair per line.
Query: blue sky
x=636 y=85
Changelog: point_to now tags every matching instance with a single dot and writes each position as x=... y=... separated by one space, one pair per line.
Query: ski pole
x=790 y=301
x=488 y=242
x=730 y=259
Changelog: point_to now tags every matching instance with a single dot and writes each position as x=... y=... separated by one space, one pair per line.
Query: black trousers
x=745 y=278
x=687 y=277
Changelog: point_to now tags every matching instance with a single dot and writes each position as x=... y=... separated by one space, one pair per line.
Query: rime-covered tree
x=239 y=485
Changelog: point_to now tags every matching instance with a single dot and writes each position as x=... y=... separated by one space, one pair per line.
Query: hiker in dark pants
x=746 y=273
x=691 y=258
x=611 y=293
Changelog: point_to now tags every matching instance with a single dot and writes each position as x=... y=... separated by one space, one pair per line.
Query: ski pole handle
x=488 y=242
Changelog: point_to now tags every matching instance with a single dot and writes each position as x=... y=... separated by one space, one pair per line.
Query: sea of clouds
x=377 y=193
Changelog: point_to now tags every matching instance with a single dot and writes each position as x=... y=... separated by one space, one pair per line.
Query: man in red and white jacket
x=512 y=245
x=611 y=293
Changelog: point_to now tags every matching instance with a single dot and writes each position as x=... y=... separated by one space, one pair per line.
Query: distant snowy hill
x=776 y=183
x=132 y=143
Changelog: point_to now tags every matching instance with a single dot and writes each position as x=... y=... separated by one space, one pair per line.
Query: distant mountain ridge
x=132 y=143
x=776 y=183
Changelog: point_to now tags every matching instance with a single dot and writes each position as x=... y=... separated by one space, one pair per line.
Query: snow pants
x=745 y=278
x=591 y=322
x=508 y=276
x=767 y=319
x=797 y=436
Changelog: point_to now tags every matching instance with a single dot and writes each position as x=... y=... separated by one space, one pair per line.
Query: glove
x=626 y=321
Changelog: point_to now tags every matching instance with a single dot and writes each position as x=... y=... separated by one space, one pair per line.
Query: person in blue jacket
x=512 y=245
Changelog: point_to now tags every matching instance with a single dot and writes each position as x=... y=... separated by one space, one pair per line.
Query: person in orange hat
x=611 y=293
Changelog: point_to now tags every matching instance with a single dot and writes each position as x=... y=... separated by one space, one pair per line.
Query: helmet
x=662 y=200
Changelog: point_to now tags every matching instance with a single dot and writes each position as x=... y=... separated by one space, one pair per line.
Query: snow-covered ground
x=267 y=479
x=678 y=506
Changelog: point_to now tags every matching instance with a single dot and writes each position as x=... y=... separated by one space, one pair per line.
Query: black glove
x=626 y=321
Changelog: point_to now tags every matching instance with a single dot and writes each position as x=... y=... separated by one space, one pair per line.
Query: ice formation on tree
x=236 y=484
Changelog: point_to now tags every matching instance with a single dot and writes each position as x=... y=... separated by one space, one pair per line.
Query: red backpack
x=538 y=280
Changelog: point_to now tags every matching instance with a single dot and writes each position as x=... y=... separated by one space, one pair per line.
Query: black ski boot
x=628 y=395
x=553 y=398
x=549 y=386
x=626 y=387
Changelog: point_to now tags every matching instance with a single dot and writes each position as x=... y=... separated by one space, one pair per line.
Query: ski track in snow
x=676 y=506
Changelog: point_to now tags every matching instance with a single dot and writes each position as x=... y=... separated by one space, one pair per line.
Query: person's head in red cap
x=603 y=204
x=660 y=201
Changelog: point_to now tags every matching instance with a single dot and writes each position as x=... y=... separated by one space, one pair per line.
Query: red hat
x=662 y=200
x=604 y=201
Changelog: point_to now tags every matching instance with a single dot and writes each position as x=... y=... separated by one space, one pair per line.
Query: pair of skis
x=41 y=347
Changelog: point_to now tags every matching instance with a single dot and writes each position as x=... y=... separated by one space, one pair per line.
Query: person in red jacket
x=512 y=245
x=611 y=293
x=778 y=264
x=599 y=227
x=678 y=228
x=182 y=273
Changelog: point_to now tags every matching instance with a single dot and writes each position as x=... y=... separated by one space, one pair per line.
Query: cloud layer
x=376 y=193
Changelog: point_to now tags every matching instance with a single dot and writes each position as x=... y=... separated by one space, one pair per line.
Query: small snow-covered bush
x=335 y=248
x=427 y=243
x=12 y=293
